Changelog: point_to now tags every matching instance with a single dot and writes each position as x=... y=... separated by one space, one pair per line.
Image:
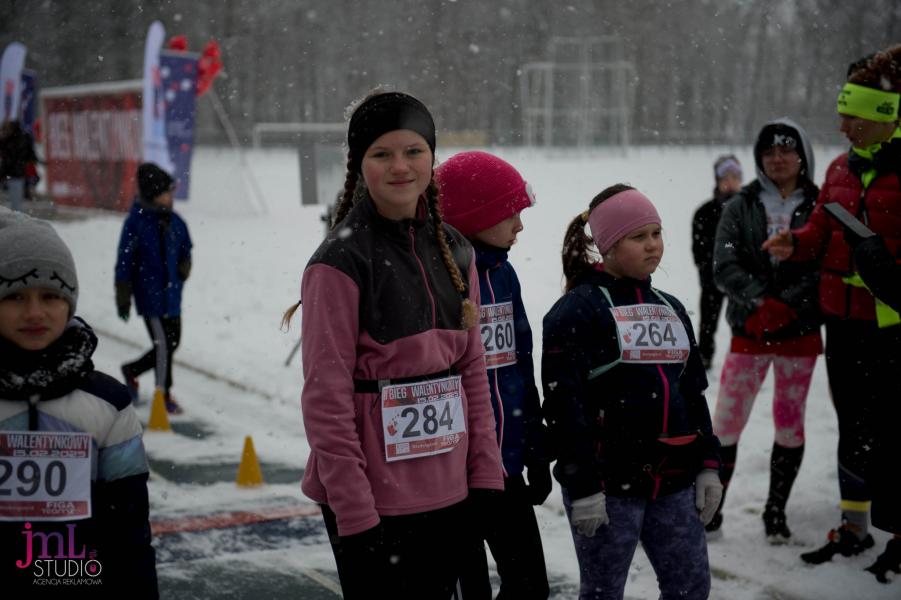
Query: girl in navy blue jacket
x=482 y=196
x=153 y=262
x=624 y=399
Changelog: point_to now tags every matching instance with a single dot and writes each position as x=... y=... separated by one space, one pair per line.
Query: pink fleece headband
x=619 y=214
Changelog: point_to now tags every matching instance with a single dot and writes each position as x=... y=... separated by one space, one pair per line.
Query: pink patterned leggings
x=743 y=374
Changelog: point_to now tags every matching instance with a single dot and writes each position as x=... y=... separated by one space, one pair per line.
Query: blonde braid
x=470 y=314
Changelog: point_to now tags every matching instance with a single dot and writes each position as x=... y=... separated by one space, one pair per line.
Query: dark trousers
x=711 y=304
x=670 y=533
x=418 y=556
x=165 y=333
x=863 y=363
x=515 y=544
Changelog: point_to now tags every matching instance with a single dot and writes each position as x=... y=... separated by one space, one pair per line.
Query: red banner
x=93 y=144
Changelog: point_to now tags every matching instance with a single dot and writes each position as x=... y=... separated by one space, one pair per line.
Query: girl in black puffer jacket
x=624 y=400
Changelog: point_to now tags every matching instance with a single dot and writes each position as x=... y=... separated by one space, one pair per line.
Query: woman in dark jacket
x=16 y=153
x=773 y=312
x=727 y=174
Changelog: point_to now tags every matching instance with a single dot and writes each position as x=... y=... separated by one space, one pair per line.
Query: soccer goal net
x=581 y=96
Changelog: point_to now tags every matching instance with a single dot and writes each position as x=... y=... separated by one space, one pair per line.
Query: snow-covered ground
x=248 y=258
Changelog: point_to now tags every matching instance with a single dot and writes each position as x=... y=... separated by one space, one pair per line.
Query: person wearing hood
x=863 y=332
x=772 y=310
x=71 y=447
x=153 y=263
x=727 y=173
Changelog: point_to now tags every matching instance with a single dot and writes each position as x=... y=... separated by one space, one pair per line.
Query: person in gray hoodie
x=773 y=312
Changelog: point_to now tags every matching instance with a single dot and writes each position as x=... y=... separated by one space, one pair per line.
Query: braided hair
x=469 y=312
x=377 y=114
x=347 y=197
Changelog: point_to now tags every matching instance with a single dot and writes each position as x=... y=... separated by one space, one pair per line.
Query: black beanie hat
x=385 y=112
x=780 y=134
x=153 y=181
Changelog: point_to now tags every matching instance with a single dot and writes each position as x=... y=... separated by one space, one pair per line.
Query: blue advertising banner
x=28 y=106
x=178 y=72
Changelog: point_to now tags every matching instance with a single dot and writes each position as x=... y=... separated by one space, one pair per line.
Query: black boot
x=890 y=560
x=713 y=527
x=841 y=541
x=777 y=531
x=784 y=466
x=727 y=455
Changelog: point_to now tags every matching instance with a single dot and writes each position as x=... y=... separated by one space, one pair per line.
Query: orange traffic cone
x=249 y=473
x=159 y=418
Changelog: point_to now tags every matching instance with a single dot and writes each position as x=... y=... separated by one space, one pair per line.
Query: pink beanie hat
x=615 y=217
x=478 y=190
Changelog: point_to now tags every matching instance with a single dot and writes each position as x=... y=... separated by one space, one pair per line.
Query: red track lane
x=231 y=519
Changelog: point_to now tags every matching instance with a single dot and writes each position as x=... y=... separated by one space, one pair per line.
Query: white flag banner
x=11 y=81
x=156 y=148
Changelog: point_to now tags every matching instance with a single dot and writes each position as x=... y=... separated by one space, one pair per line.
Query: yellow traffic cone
x=159 y=418
x=249 y=473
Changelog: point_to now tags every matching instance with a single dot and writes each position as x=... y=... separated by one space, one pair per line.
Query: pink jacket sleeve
x=330 y=330
x=483 y=463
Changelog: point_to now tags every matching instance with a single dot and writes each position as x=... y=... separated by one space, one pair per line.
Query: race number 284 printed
x=423 y=418
x=45 y=476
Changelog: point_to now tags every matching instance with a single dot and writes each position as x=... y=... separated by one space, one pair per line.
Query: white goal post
x=293 y=131
x=582 y=95
x=319 y=151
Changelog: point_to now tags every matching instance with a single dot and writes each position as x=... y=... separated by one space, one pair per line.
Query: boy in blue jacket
x=153 y=262
x=482 y=196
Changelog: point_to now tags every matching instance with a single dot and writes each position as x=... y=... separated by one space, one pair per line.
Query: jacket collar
x=392 y=228
x=49 y=373
x=487 y=256
x=598 y=276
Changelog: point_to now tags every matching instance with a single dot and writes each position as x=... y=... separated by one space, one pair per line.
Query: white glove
x=708 y=493
x=589 y=513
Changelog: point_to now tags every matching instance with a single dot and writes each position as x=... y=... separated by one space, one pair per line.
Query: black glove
x=482 y=508
x=184 y=269
x=539 y=475
x=483 y=504
x=123 y=299
x=366 y=545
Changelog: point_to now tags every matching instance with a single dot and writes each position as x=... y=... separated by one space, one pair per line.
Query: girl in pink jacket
x=395 y=400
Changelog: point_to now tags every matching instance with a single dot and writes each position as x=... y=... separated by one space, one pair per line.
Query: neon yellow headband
x=867 y=103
